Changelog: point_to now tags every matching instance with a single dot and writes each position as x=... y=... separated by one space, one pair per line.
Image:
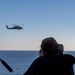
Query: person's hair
x=49 y=45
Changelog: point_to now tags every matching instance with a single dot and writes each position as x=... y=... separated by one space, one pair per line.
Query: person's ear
x=60 y=47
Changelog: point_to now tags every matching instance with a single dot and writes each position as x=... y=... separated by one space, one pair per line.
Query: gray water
x=19 y=61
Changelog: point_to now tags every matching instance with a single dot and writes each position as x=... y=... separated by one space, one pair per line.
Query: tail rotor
x=7 y=27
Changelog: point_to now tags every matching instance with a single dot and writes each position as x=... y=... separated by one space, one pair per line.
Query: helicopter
x=14 y=27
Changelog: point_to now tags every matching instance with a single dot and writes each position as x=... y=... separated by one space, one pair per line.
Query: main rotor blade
x=13 y=24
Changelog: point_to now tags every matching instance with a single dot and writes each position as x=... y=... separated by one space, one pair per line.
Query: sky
x=39 y=19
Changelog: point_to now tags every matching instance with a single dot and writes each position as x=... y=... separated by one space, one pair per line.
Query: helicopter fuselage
x=15 y=27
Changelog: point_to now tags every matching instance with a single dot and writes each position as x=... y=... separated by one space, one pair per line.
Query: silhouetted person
x=51 y=60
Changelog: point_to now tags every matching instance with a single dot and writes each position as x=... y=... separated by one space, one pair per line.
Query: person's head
x=48 y=46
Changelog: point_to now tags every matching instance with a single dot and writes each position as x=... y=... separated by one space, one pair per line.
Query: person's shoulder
x=70 y=58
x=38 y=58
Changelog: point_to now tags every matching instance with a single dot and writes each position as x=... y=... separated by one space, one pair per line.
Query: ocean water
x=19 y=61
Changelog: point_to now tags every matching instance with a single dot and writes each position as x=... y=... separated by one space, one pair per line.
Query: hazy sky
x=41 y=19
